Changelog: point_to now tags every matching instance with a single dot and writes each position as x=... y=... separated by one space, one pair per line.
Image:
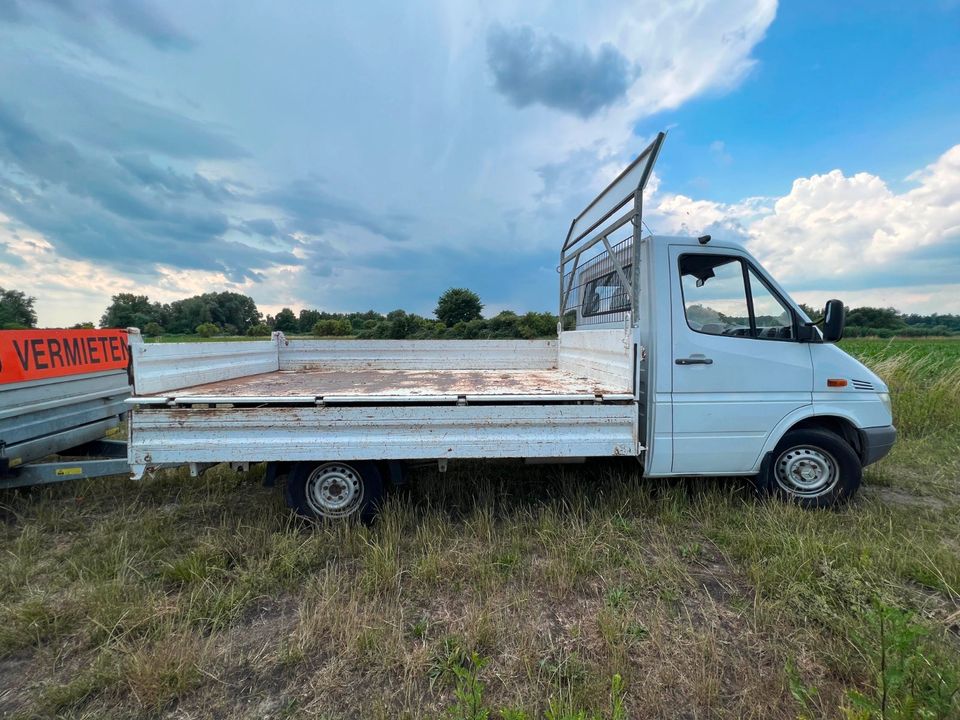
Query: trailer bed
x=399 y=384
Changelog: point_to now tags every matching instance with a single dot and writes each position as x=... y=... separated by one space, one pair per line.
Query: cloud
x=167 y=174
x=529 y=68
x=108 y=197
x=857 y=223
x=170 y=182
x=92 y=110
x=555 y=162
x=142 y=19
x=138 y=18
x=10 y=11
x=718 y=150
x=120 y=211
x=840 y=231
x=263 y=226
x=311 y=210
x=70 y=290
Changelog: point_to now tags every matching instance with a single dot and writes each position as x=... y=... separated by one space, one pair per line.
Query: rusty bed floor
x=401 y=383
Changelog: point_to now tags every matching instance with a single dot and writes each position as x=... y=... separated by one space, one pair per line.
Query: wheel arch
x=803 y=419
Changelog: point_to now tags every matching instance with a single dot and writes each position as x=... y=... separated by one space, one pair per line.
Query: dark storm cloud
x=81 y=228
x=90 y=111
x=529 y=68
x=127 y=209
x=321 y=259
x=10 y=11
x=166 y=180
x=61 y=163
x=141 y=19
x=110 y=177
x=68 y=7
x=121 y=211
x=135 y=16
x=262 y=226
x=312 y=210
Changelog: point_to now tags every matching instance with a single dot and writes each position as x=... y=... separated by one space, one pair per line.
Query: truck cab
x=732 y=376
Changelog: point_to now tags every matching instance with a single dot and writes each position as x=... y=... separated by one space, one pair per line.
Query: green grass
x=499 y=591
x=929 y=350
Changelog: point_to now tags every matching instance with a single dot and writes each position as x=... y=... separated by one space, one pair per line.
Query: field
x=501 y=591
x=945 y=351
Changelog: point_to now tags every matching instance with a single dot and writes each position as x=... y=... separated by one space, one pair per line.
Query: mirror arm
x=805 y=332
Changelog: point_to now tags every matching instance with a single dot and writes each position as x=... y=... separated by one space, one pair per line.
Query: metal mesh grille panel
x=596 y=293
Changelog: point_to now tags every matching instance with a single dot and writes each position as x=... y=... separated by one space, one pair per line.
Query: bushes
x=258 y=330
x=207 y=330
x=907 y=331
x=400 y=325
x=334 y=328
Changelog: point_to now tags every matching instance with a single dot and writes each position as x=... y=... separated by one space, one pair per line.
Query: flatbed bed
x=401 y=385
x=299 y=400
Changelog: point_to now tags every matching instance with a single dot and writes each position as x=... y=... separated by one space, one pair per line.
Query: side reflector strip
x=836 y=382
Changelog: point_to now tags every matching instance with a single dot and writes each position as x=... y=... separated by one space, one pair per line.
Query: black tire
x=336 y=490
x=813 y=468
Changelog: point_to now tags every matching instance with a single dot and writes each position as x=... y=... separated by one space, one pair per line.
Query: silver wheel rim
x=334 y=490
x=806 y=471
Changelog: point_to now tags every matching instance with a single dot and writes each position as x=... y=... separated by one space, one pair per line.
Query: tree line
x=890 y=322
x=457 y=315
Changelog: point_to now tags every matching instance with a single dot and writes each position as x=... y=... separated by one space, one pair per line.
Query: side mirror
x=834 y=318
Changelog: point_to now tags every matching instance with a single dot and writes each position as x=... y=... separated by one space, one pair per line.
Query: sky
x=358 y=156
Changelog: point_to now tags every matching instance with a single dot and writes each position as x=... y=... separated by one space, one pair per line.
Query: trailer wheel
x=335 y=490
x=813 y=468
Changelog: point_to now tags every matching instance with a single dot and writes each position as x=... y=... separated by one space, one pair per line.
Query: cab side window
x=714 y=294
x=722 y=295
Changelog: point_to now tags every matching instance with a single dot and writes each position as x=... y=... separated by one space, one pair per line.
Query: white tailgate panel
x=603 y=355
x=158 y=367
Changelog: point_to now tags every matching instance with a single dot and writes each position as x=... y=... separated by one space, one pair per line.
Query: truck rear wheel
x=335 y=490
x=813 y=468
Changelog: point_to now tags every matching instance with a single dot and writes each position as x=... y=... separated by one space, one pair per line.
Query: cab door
x=738 y=369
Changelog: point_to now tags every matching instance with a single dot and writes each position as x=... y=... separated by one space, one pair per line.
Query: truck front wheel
x=814 y=468
x=335 y=490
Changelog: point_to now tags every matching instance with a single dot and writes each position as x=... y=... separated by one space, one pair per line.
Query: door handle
x=694 y=361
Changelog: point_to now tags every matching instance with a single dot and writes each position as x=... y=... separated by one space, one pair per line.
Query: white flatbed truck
x=680 y=352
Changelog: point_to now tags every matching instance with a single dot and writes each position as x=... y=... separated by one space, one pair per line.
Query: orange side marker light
x=836 y=382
